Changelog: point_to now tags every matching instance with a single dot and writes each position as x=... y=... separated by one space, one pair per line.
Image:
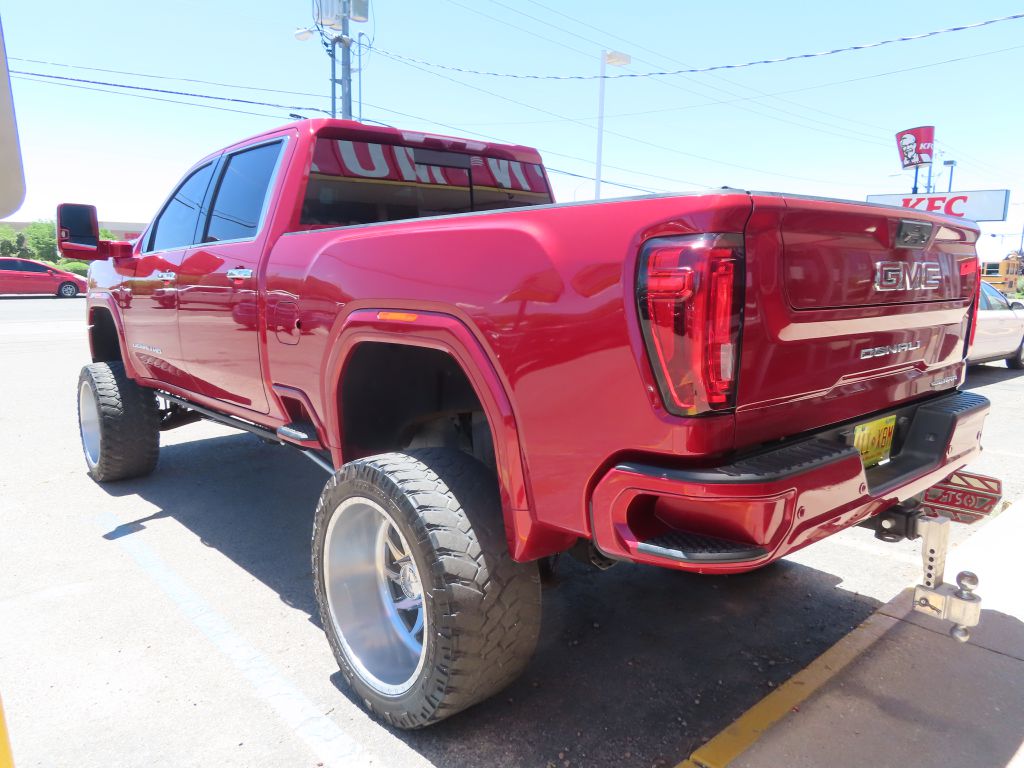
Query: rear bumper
x=743 y=515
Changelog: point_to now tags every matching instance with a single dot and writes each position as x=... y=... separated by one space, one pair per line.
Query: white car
x=1000 y=334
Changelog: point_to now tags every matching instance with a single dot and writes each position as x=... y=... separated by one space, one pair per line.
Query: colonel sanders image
x=908 y=146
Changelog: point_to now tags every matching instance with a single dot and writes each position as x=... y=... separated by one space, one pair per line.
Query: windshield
x=356 y=182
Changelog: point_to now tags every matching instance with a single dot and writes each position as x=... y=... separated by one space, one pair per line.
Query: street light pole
x=618 y=60
x=334 y=76
x=600 y=128
x=359 y=69
x=346 y=63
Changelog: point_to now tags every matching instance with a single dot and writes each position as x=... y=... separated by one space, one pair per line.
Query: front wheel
x=119 y=423
x=424 y=608
x=1016 y=360
x=67 y=290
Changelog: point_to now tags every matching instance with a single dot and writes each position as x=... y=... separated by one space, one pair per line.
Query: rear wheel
x=119 y=423
x=67 y=290
x=423 y=606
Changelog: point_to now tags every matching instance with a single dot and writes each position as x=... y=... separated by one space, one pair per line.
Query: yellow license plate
x=874 y=440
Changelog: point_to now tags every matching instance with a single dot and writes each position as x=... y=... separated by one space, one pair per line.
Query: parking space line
x=752 y=724
x=332 y=745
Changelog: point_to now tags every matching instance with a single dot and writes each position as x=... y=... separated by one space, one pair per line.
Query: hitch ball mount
x=933 y=597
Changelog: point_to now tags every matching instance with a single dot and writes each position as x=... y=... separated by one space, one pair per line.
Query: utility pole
x=351 y=10
x=951 y=164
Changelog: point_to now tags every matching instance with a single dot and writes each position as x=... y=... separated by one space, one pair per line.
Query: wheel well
x=395 y=397
x=103 y=340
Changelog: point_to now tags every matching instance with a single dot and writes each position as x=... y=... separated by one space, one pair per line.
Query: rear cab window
x=358 y=182
x=241 y=195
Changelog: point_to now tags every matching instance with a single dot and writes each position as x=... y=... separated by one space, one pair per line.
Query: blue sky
x=827 y=127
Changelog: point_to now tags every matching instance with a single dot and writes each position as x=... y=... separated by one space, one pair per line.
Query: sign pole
x=916 y=169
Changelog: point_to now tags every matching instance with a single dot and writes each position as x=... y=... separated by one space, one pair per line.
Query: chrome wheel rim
x=89 y=424
x=69 y=290
x=374 y=596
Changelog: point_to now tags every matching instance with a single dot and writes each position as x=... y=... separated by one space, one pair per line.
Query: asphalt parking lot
x=170 y=621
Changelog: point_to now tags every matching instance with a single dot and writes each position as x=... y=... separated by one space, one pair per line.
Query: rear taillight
x=688 y=292
x=970 y=288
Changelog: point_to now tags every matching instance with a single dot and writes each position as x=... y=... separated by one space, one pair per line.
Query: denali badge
x=897 y=276
x=892 y=349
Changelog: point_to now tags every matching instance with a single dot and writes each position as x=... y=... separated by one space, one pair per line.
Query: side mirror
x=1016 y=305
x=78 y=235
x=78 y=232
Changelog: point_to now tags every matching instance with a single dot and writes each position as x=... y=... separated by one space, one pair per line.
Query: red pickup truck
x=703 y=382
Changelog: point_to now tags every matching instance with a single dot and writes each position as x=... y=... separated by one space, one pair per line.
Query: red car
x=27 y=276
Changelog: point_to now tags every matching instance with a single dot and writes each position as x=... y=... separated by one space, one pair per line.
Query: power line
x=167 y=77
x=774 y=94
x=138 y=96
x=162 y=90
x=603 y=180
x=530 y=32
x=698 y=70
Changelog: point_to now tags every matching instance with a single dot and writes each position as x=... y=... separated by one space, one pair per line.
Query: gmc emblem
x=897 y=276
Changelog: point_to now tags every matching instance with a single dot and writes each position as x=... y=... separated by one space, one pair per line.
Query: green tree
x=7 y=239
x=21 y=248
x=41 y=238
x=106 y=234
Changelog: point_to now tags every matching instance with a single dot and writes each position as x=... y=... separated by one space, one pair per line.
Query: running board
x=301 y=433
x=255 y=429
x=697 y=548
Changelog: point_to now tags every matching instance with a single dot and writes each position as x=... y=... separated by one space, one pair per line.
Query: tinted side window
x=996 y=300
x=8 y=265
x=30 y=266
x=983 y=302
x=176 y=225
x=241 y=193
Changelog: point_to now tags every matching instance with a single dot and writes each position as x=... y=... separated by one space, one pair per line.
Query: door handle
x=239 y=274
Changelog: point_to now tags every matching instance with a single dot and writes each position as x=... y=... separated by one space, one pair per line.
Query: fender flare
x=105 y=302
x=450 y=335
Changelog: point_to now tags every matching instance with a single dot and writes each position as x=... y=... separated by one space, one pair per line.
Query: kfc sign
x=916 y=145
x=980 y=205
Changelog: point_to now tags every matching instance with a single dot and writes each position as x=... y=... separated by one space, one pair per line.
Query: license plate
x=874 y=440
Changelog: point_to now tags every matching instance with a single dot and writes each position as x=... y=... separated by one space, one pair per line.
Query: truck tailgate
x=849 y=309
